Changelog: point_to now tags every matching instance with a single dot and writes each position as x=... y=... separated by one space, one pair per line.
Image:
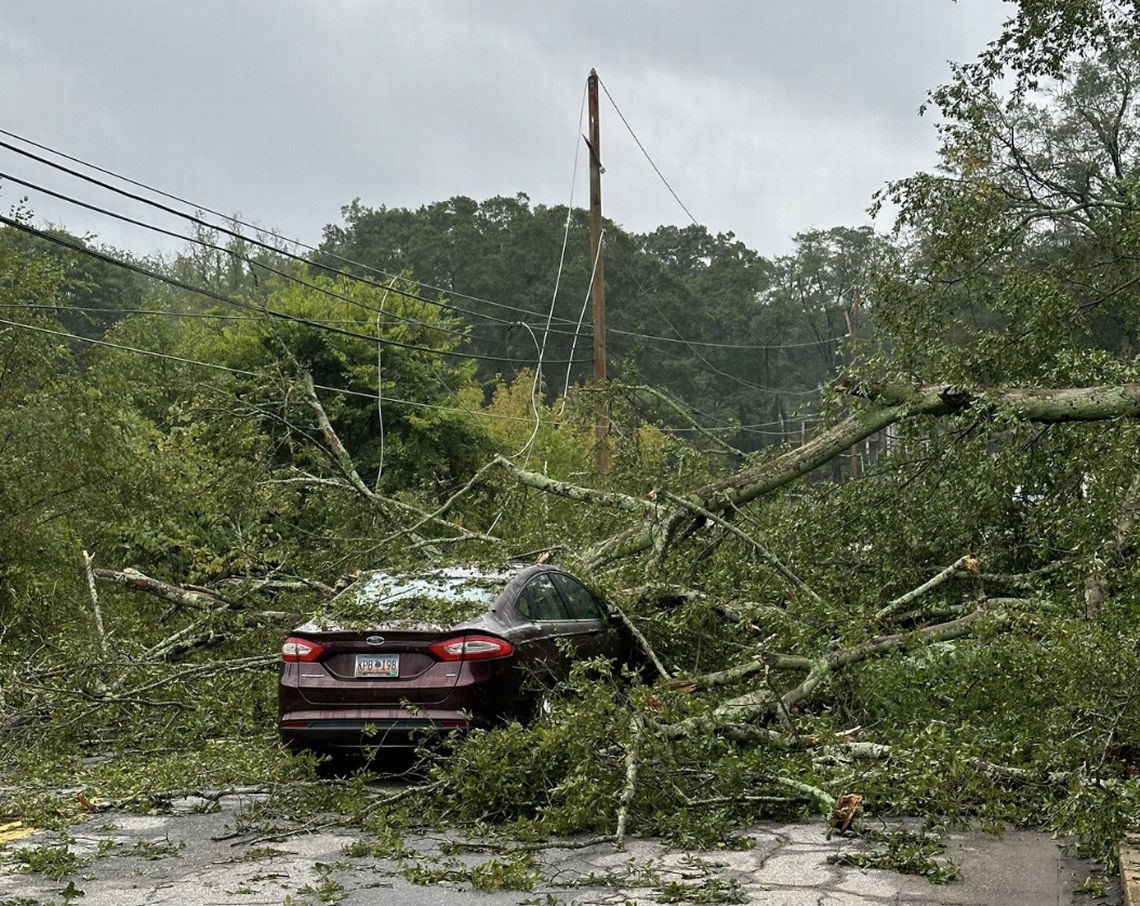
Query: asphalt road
x=191 y=858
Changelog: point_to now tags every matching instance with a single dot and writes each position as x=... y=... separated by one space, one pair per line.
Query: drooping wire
x=581 y=319
x=533 y=396
x=536 y=387
x=380 y=384
x=646 y=153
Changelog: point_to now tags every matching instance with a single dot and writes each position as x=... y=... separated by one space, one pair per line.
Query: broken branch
x=903 y=600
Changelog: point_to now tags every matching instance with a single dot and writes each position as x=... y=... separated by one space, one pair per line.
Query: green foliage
x=710 y=890
x=515 y=871
x=55 y=862
x=908 y=852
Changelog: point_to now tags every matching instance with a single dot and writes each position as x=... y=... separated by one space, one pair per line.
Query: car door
x=555 y=637
x=542 y=607
x=588 y=626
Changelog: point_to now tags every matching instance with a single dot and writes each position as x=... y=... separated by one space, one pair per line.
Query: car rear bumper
x=387 y=729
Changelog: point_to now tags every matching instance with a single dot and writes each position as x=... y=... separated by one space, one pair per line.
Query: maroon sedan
x=400 y=656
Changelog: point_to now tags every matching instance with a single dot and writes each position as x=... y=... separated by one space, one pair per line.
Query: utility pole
x=597 y=284
x=853 y=331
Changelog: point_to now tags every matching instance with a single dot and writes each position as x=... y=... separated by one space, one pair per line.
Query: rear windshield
x=425 y=601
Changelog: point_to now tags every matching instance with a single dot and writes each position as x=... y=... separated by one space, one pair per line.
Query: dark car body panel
x=324 y=705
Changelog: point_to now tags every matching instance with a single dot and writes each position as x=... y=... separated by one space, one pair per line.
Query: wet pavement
x=190 y=858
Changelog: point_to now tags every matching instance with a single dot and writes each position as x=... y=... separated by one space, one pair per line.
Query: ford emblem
x=375 y=640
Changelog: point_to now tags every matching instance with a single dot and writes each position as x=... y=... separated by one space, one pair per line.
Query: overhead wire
x=240 y=371
x=244 y=258
x=83 y=250
x=582 y=315
x=218 y=296
x=165 y=313
x=198 y=221
x=229 y=300
x=691 y=344
x=402 y=318
x=380 y=387
x=679 y=340
x=232 y=219
x=646 y=153
x=348 y=261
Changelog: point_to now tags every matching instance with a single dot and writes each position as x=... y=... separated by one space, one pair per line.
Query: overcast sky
x=767 y=117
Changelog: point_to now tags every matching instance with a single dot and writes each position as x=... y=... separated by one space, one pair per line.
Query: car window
x=540 y=601
x=579 y=600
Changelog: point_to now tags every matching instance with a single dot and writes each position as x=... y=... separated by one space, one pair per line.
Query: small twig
x=764 y=662
x=821 y=797
x=574 y=492
x=311 y=827
x=178 y=595
x=513 y=846
x=450 y=502
x=176 y=642
x=642 y=642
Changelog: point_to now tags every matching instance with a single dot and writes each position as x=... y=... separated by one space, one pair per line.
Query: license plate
x=378 y=665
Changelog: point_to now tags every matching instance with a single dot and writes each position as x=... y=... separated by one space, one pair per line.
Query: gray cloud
x=766 y=117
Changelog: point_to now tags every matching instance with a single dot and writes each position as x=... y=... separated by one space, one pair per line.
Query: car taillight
x=295 y=650
x=471 y=648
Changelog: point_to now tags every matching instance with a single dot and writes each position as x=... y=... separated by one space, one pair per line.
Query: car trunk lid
x=375 y=667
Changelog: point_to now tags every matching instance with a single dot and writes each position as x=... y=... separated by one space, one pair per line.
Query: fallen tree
x=664 y=517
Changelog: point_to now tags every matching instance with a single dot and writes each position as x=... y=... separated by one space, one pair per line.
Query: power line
x=202 y=242
x=200 y=315
x=773 y=391
x=646 y=153
x=229 y=217
x=759 y=347
x=198 y=221
x=326 y=323
x=276 y=250
x=228 y=300
x=243 y=372
x=340 y=297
